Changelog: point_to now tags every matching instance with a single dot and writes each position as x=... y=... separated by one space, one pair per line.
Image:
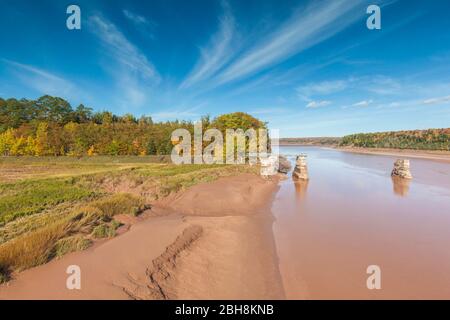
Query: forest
x=431 y=139
x=49 y=126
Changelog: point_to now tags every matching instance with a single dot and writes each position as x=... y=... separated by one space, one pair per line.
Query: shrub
x=71 y=244
x=4 y=274
x=122 y=203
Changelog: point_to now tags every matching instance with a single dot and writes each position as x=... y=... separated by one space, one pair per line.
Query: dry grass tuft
x=71 y=233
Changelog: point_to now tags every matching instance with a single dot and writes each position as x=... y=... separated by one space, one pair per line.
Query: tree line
x=431 y=139
x=49 y=126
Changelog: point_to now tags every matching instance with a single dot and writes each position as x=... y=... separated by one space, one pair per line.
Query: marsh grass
x=30 y=223
x=105 y=230
x=70 y=233
x=14 y=169
x=31 y=197
x=71 y=244
x=168 y=184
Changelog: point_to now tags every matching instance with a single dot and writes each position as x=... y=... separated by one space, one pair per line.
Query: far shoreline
x=437 y=155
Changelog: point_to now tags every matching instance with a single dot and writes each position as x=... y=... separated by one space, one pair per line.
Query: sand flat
x=443 y=156
x=104 y=267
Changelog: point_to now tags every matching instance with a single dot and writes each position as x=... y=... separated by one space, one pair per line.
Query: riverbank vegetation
x=73 y=202
x=49 y=126
x=432 y=139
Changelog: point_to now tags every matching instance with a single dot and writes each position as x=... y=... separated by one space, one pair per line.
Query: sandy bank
x=420 y=154
x=212 y=241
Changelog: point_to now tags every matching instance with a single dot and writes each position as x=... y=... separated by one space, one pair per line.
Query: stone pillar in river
x=301 y=170
x=401 y=169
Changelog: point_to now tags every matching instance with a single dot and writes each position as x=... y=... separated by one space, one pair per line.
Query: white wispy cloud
x=304 y=29
x=144 y=25
x=217 y=53
x=122 y=50
x=413 y=103
x=438 y=100
x=363 y=103
x=394 y=104
x=317 y=104
x=135 y=18
x=378 y=84
x=322 y=88
x=133 y=72
x=384 y=85
x=41 y=80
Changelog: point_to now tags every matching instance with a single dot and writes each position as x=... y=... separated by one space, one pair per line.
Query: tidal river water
x=351 y=214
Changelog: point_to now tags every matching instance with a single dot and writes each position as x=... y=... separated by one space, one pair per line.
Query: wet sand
x=408 y=153
x=213 y=241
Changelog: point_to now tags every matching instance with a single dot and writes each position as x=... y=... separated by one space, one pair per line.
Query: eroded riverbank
x=213 y=241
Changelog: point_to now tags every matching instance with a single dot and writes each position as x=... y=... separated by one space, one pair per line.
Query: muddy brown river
x=350 y=215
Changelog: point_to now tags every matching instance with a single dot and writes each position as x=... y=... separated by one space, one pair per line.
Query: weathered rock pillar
x=301 y=169
x=284 y=164
x=401 y=169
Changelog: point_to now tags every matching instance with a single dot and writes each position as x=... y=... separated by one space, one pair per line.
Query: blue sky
x=309 y=68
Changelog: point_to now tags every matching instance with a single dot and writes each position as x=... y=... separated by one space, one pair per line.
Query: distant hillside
x=431 y=139
x=311 y=141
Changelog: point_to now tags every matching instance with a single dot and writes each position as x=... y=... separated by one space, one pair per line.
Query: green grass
x=31 y=197
x=121 y=203
x=173 y=170
x=71 y=244
x=30 y=223
x=106 y=230
x=174 y=183
x=25 y=168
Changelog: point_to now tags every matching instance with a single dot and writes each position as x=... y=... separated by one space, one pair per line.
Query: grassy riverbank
x=52 y=206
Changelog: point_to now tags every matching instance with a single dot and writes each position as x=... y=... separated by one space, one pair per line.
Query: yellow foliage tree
x=18 y=148
x=7 y=140
x=30 y=148
x=91 y=151
x=41 y=146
